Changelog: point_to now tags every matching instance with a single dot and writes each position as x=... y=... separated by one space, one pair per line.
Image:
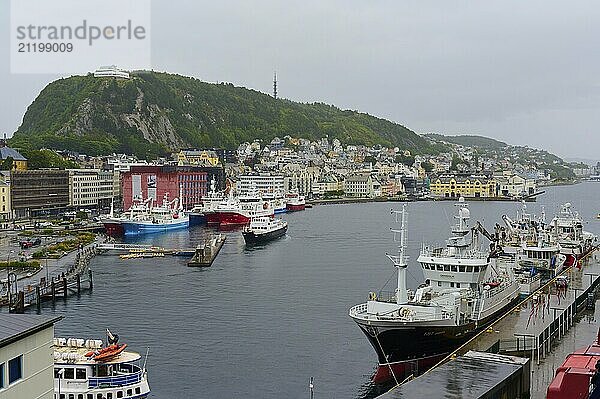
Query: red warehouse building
x=187 y=183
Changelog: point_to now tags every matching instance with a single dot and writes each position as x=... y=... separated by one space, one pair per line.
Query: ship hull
x=114 y=229
x=197 y=219
x=251 y=238
x=227 y=219
x=135 y=228
x=295 y=208
x=408 y=349
x=280 y=210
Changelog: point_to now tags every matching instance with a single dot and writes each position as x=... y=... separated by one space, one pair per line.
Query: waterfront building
x=188 y=183
x=39 y=192
x=264 y=183
x=511 y=184
x=26 y=361
x=19 y=162
x=197 y=157
x=467 y=186
x=362 y=186
x=91 y=188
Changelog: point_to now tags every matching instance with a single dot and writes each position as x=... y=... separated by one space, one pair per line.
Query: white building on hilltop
x=111 y=71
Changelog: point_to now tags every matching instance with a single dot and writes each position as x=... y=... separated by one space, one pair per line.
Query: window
x=119 y=394
x=69 y=374
x=71 y=396
x=137 y=390
x=90 y=396
x=99 y=396
x=80 y=374
x=15 y=369
x=80 y=396
x=439 y=283
x=461 y=269
x=457 y=285
x=1 y=375
x=129 y=392
x=109 y=395
x=446 y=268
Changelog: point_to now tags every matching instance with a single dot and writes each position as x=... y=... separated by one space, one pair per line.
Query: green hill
x=469 y=140
x=154 y=113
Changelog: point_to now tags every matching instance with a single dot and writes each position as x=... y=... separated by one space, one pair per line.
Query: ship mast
x=400 y=259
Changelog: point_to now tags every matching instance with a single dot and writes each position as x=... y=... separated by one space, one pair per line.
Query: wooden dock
x=71 y=282
x=142 y=249
x=206 y=253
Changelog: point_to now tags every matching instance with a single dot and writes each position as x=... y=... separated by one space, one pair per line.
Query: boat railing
x=116 y=381
x=443 y=252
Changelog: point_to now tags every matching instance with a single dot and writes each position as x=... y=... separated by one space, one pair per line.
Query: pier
x=532 y=330
x=77 y=278
x=141 y=249
x=206 y=253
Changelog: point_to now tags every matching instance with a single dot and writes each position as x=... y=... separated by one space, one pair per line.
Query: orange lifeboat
x=107 y=353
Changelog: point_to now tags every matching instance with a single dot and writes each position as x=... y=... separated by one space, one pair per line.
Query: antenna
x=400 y=259
x=275 y=84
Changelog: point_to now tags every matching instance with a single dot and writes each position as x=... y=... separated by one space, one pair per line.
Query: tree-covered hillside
x=154 y=113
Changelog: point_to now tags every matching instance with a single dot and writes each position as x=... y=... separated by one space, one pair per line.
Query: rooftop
x=6 y=152
x=14 y=327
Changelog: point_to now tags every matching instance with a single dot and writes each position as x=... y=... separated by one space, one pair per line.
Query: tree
x=7 y=164
x=428 y=166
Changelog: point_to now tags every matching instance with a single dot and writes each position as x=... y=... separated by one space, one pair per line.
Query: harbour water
x=260 y=322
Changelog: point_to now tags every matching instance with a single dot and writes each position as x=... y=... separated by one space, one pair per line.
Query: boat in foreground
x=465 y=289
x=86 y=369
x=264 y=229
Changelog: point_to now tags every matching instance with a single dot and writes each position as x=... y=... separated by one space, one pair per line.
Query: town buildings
x=39 y=192
x=19 y=162
x=188 y=183
x=26 y=360
x=263 y=183
x=468 y=186
x=92 y=188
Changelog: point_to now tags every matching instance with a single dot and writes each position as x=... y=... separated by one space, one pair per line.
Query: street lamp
x=60 y=374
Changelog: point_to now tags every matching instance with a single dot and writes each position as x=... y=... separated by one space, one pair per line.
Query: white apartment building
x=264 y=183
x=360 y=186
x=26 y=360
x=91 y=188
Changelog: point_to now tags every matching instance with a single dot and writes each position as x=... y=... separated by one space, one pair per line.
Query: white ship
x=465 y=289
x=87 y=369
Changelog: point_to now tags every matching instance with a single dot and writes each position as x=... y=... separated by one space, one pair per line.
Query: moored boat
x=88 y=369
x=166 y=217
x=465 y=289
x=295 y=202
x=264 y=229
x=198 y=214
x=239 y=211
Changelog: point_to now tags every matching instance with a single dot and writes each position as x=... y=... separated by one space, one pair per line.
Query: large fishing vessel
x=465 y=288
x=168 y=216
x=238 y=211
x=198 y=214
x=113 y=225
x=86 y=369
x=567 y=230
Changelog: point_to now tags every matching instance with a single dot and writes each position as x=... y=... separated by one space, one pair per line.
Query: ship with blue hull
x=168 y=216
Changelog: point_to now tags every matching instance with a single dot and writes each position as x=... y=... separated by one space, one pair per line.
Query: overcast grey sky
x=525 y=72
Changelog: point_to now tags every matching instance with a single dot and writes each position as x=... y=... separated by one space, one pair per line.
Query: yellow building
x=197 y=157
x=454 y=186
x=5 y=208
x=19 y=162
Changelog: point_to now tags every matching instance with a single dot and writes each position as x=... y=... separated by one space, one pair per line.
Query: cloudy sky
x=525 y=72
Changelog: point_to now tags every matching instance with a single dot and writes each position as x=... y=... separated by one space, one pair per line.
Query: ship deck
x=123 y=357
